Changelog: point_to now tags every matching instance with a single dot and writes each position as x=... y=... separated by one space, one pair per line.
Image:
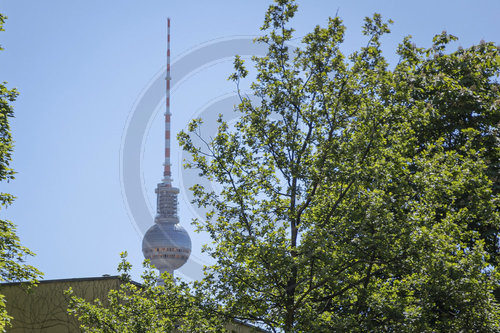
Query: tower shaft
x=166 y=203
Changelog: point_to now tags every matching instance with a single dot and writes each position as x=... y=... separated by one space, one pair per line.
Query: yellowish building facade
x=44 y=308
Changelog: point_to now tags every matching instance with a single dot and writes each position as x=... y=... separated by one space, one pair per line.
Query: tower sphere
x=167 y=246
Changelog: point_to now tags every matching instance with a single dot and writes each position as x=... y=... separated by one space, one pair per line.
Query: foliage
x=12 y=253
x=464 y=97
x=355 y=197
x=146 y=307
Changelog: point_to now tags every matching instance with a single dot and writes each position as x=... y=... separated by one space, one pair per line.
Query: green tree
x=12 y=253
x=145 y=307
x=355 y=197
x=464 y=96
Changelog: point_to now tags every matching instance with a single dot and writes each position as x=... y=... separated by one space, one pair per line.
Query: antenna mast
x=167 y=174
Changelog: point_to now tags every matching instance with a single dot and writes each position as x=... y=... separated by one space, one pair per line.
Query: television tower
x=167 y=244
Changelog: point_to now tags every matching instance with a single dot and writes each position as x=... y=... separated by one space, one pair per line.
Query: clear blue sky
x=81 y=66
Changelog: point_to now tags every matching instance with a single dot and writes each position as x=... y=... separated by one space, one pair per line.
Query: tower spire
x=167 y=173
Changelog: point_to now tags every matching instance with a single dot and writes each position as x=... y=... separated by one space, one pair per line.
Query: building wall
x=44 y=308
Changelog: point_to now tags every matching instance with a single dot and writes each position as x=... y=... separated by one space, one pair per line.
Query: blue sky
x=82 y=66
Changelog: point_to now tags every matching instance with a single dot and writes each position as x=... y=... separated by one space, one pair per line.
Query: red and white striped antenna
x=167 y=174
